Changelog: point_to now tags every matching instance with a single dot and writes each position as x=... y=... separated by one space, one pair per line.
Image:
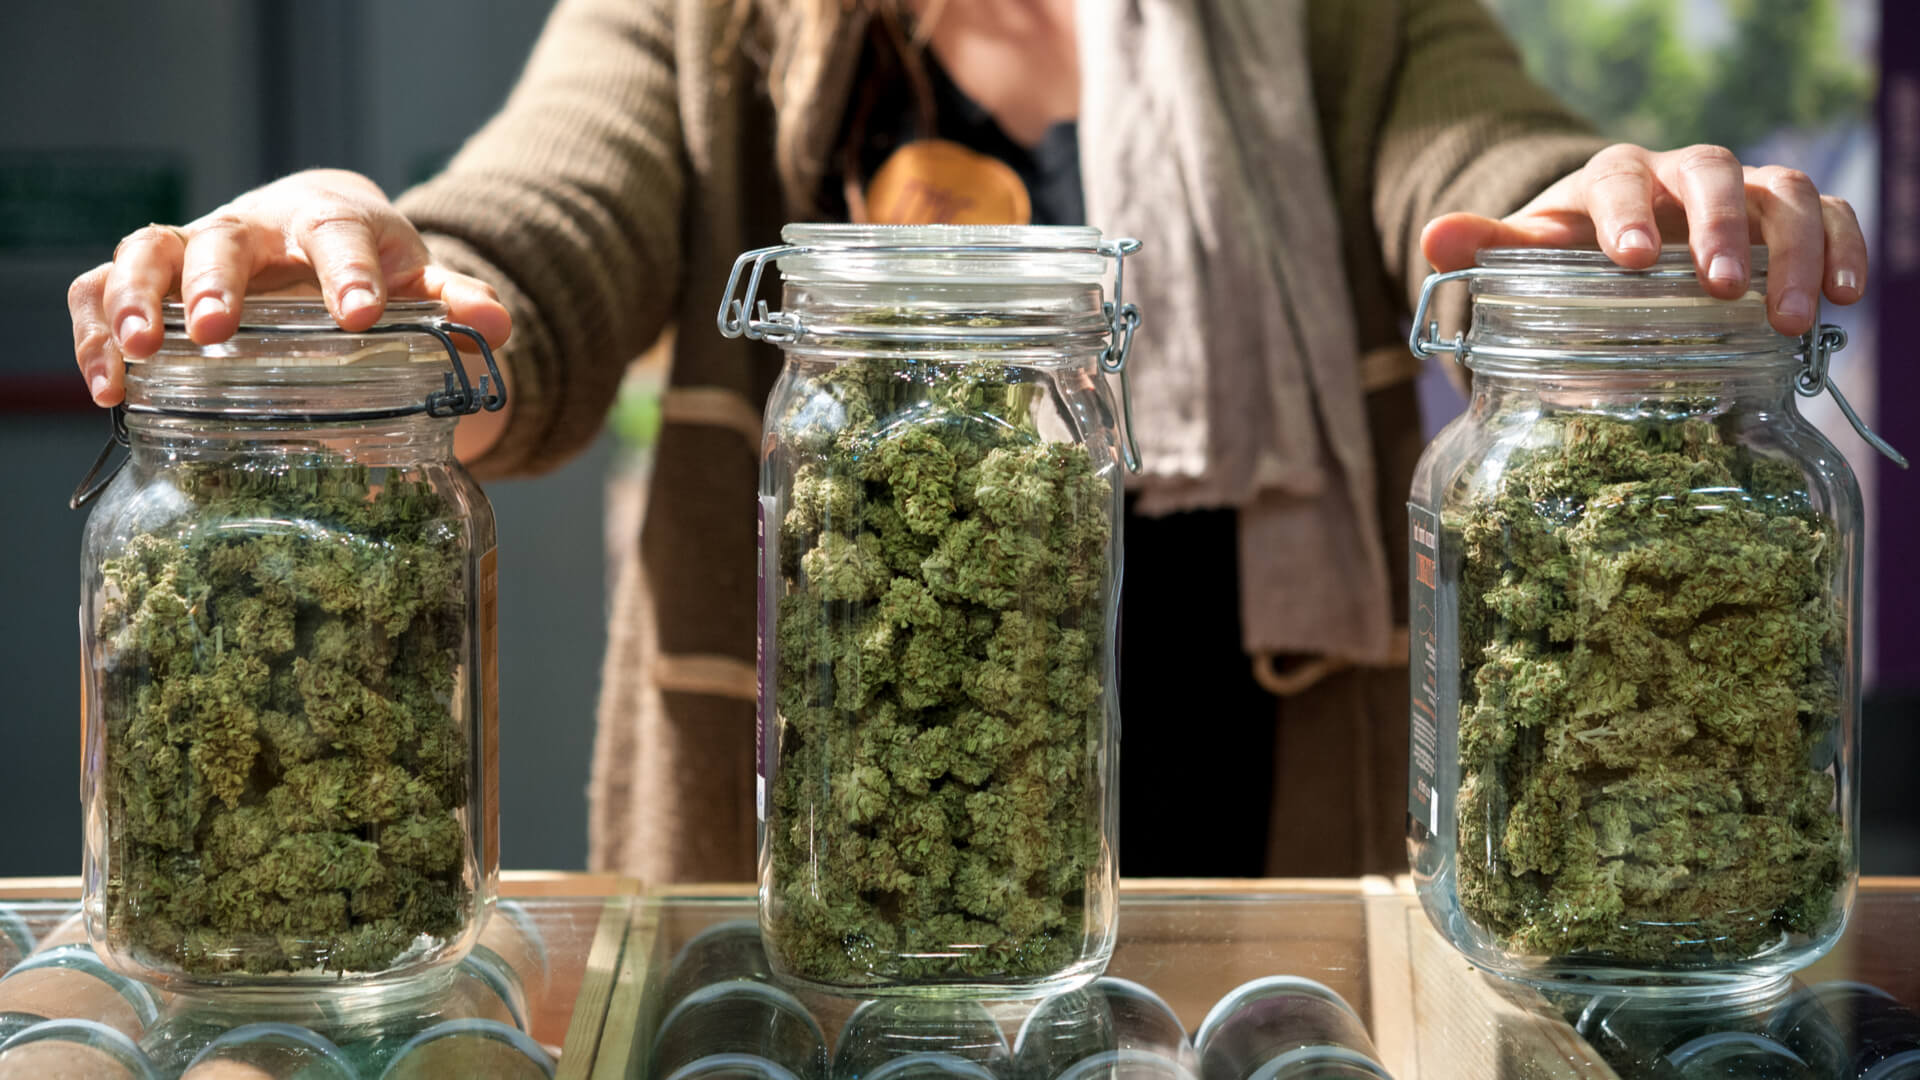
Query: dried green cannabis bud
x=1651 y=641
x=285 y=756
x=941 y=678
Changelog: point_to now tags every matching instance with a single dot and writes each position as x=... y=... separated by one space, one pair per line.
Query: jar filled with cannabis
x=287 y=644
x=940 y=538
x=1635 y=573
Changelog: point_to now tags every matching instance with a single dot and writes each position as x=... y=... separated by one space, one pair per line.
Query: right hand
x=324 y=226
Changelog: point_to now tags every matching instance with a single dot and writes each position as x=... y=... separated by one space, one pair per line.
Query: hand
x=1628 y=200
x=327 y=226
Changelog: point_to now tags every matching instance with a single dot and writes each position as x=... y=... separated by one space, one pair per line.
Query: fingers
x=1845 y=274
x=1451 y=242
x=1619 y=193
x=94 y=349
x=145 y=266
x=469 y=301
x=338 y=239
x=1790 y=217
x=1711 y=186
x=216 y=272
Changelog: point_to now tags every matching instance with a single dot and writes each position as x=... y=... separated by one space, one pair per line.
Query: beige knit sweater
x=644 y=148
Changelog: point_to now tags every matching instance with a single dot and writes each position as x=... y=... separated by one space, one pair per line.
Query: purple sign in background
x=1897 y=273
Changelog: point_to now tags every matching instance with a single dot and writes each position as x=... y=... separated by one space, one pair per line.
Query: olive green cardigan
x=647 y=144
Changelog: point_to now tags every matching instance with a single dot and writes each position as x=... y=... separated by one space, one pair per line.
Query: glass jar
x=288 y=630
x=940 y=520
x=1635 y=576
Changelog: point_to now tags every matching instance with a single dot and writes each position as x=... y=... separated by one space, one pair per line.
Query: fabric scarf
x=1201 y=140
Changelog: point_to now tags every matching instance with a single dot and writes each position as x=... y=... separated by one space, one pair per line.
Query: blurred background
x=121 y=112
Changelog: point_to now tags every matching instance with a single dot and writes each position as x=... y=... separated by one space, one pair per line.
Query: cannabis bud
x=941 y=678
x=285 y=753
x=1651 y=640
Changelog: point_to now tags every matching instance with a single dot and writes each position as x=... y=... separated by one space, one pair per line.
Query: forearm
x=568 y=203
x=1466 y=130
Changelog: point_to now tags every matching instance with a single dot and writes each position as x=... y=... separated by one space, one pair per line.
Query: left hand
x=1628 y=200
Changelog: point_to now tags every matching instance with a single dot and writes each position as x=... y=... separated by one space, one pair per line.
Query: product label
x=763 y=654
x=1424 y=673
x=486 y=817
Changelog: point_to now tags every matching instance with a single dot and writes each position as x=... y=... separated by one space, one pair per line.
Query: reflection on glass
x=1110 y=1015
x=71 y=930
x=72 y=981
x=724 y=951
x=271 y=1052
x=1740 y=1054
x=1637 y=1033
x=1281 y=1027
x=511 y=934
x=1851 y=1029
x=1064 y=1029
x=733 y=1067
x=740 y=1016
x=486 y=986
x=476 y=1048
x=72 y=1048
x=881 y=1030
x=1126 y=1065
x=16 y=940
x=931 y=1066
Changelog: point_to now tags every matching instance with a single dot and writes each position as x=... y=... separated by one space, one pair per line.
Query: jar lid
x=958 y=262
x=488 y=1030
x=1126 y=1065
x=1588 y=274
x=1564 y=310
x=927 y=1064
x=1269 y=986
x=288 y=356
x=301 y=332
x=951 y=254
x=115 y=1044
x=83 y=959
x=315 y=1054
x=733 y=1067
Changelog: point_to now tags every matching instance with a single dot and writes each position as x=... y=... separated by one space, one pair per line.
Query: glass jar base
x=1724 y=988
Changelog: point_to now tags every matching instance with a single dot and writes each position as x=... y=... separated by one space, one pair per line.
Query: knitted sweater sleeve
x=1465 y=128
x=569 y=202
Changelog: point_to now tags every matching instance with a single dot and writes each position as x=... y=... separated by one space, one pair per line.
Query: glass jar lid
x=1000 y=254
x=301 y=332
x=1576 y=309
x=1561 y=310
x=289 y=360
x=934 y=287
x=289 y=363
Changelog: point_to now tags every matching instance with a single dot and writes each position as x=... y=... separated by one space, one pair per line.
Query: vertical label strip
x=488 y=817
x=763 y=646
x=1423 y=576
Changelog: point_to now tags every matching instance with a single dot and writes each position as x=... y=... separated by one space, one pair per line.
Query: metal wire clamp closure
x=459 y=395
x=1816 y=347
x=747 y=316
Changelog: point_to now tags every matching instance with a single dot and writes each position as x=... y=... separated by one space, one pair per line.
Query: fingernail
x=1635 y=240
x=209 y=307
x=1846 y=279
x=1725 y=268
x=356 y=299
x=130 y=326
x=1796 y=305
x=99 y=386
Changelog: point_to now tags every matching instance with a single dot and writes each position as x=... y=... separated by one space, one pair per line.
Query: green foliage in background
x=1630 y=68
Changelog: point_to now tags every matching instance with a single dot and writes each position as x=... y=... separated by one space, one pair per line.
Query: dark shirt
x=1051 y=170
x=1196 y=798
